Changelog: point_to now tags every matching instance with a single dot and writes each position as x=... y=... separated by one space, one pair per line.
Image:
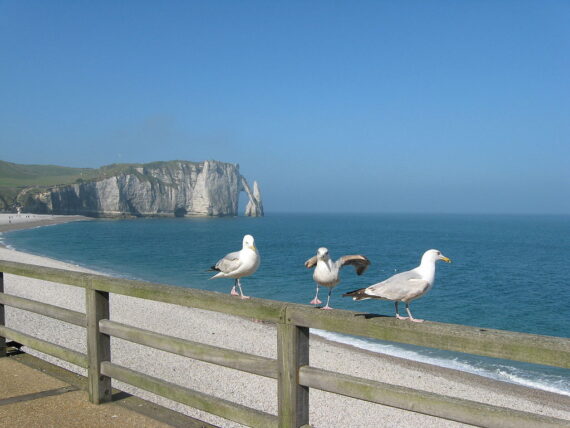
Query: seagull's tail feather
x=219 y=273
x=359 y=294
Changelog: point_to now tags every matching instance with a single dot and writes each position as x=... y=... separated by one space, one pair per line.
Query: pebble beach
x=327 y=410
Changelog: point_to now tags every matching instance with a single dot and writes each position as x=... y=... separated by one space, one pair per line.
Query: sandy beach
x=14 y=221
x=327 y=410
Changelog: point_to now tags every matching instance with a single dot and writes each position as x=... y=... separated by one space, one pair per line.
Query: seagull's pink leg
x=328 y=299
x=316 y=300
x=410 y=314
x=240 y=291
x=398 y=316
x=234 y=292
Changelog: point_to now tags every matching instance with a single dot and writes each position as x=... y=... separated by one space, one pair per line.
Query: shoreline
x=540 y=396
x=246 y=336
x=10 y=222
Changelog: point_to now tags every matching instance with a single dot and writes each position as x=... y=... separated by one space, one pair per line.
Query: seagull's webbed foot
x=410 y=314
x=327 y=308
x=244 y=297
x=234 y=292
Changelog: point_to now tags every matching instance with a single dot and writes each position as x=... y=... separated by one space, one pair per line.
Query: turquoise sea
x=508 y=272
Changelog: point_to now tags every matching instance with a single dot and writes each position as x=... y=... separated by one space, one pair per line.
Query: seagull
x=404 y=286
x=327 y=272
x=238 y=264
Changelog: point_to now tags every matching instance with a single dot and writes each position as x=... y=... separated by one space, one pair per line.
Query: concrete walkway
x=34 y=393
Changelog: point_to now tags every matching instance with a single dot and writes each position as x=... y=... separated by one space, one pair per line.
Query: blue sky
x=380 y=106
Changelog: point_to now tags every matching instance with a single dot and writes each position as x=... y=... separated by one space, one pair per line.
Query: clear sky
x=380 y=106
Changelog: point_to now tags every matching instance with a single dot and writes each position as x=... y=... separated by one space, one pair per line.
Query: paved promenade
x=37 y=394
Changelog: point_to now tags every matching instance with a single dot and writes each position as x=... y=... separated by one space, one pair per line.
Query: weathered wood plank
x=531 y=348
x=293 y=353
x=62 y=314
x=98 y=346
x=61 y=276
x=455 y=409
x=216 y=406
x=261 y=309
x=211 y=354
x=2 y=318
x=52 y=349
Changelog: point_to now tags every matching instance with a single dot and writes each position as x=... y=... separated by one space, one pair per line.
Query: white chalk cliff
x=254 y=207
x=179 y=188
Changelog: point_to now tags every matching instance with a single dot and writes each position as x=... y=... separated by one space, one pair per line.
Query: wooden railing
x=291 y=369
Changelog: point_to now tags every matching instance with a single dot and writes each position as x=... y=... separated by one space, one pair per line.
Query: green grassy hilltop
x=16 y=177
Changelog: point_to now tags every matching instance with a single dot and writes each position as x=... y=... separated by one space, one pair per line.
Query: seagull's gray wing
x=229 y=263
x=405 y=286
x=311 y=262
x=359 y=262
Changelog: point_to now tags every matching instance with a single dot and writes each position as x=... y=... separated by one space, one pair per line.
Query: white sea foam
x=497 y=371
x=3 y=243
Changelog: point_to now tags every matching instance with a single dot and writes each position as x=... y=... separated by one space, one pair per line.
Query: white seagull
x=404 y=286
x=238 y=264
x=327 y=272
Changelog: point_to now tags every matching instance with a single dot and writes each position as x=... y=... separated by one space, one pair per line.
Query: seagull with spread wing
x=404 y=286
x=327 y=271
x=238 y=264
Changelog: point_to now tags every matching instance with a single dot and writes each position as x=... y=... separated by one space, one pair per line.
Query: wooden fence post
x=98 y=345
x=293 y=352
x=2 y=319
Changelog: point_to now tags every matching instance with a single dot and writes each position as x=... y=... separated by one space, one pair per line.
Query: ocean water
x=508 y=272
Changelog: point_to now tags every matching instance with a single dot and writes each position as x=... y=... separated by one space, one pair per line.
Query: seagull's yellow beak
x=253 y=247
x=445 y=259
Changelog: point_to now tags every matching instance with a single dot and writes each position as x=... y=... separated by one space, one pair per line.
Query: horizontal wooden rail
x=60 y=276
x=530 y=348
x=59 y=313
x=217 y=406
x=261 y=309
x=52 y=349
x=211 y=354
x=455 y=409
